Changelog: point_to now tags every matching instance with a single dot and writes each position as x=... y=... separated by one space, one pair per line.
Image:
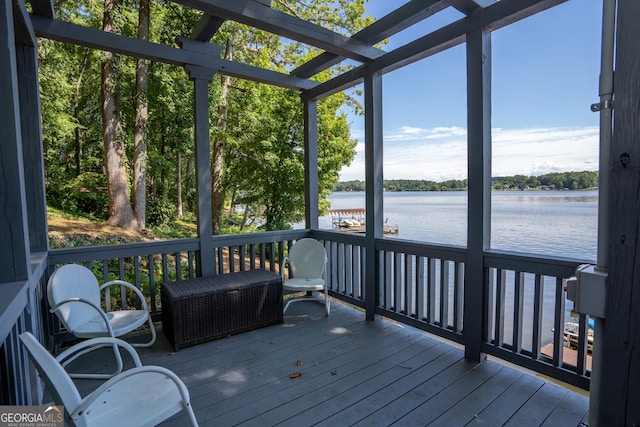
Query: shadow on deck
x=353 y=373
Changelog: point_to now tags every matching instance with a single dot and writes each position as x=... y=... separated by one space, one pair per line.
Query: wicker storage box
x=205 y=308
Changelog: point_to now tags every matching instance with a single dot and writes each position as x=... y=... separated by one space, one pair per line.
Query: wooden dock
x=353 y=372
x=353 y=221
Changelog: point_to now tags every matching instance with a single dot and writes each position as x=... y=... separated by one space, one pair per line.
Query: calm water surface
x=556 y=223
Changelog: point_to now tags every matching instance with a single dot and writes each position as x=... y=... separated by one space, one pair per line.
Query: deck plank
x=468 y=408
x=353 y=373
x=503 y=408
x=538 y=408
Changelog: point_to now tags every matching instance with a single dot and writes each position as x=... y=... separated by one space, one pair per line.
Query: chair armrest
x=130 y=286
x=91 y=344
x=99 y=310
x=97 y=393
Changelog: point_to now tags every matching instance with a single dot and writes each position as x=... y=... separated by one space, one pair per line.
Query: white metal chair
x=140 y=396
x=307 y=261
x=74 y=296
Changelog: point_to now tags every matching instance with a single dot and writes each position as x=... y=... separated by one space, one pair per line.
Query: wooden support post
x=374 y=187
x=32 y=150
x=14 y=234
x=479 y=176
x=311 y=194
x=617 y=399
x=206 y=257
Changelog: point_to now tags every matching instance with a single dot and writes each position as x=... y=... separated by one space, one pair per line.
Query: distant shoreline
x=559 y=181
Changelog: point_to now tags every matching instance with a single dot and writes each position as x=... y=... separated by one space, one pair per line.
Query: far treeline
x=553 y=181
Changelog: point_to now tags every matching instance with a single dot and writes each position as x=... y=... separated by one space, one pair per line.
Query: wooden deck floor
x=354 y=373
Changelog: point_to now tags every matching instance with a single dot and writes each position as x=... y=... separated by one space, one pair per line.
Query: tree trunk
x=179 y=166
x=76 y=114
x=189 y=184
x=217 y=160
x=120 y=211
x=140 y=125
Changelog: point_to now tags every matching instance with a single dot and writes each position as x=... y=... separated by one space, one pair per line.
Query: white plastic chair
x=307 y=261
x=74 y=296
x=140 y=396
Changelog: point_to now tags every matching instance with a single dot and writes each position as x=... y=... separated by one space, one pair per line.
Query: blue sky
x=544 y=78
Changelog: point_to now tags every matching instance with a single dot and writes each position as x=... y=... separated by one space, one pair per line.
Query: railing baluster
x=178 y=261
x=397 y=282
x=582 y=345
x=444 y=294
x=501 y=281
x=558 y=324
x=348 y=274
x=458 y=296
x=152 y=282
x=518 y=305
x=537 y=317
x=190 y=261
x=431 y=290
x=107 y=292
x=420 y=287
x=409 y=284
x=137 y=284
x=387 y=277
x=340 y=269
x=165 y=268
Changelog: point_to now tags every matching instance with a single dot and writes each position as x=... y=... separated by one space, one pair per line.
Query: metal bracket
x=605 y=105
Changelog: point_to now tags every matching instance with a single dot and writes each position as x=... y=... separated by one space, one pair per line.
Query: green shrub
x=86 y=194
x=159 y=212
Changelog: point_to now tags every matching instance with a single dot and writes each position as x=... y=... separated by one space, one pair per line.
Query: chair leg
x=153 y=336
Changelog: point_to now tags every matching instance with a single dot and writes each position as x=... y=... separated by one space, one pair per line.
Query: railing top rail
x=90 y=253
x=448 y=252
x=528 y=263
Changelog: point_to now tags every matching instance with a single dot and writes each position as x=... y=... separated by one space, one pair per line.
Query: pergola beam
x=24 y=34
x=97 y=39
x=209 y=24
x=467 y=7
x=258 y=15
x=491 y=18
x=396 y=21
x=43 y=8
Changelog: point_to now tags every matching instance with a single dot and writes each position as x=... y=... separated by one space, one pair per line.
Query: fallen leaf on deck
x=299 y=363
x=272 y=342
x=295 y=374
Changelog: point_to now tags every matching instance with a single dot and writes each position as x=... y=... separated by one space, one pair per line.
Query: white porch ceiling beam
x=258 y=15
x=97 y=39
x=491 y=18
x=390 y=24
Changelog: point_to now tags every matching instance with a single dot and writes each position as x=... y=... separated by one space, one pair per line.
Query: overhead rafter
x=464 y=6
x=491 y=18
x=396 y=21
x=24 y=33
x=209 y=25
x=258 y=15
x=42 y=8
x=97 y=39
x=206 y=27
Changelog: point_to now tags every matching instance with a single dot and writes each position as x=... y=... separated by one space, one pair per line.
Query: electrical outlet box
x=588 y=290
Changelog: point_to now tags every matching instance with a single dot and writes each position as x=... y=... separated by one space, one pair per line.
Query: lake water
x=555 y=223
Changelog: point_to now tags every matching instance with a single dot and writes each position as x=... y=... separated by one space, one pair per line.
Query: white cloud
x=439 y=153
